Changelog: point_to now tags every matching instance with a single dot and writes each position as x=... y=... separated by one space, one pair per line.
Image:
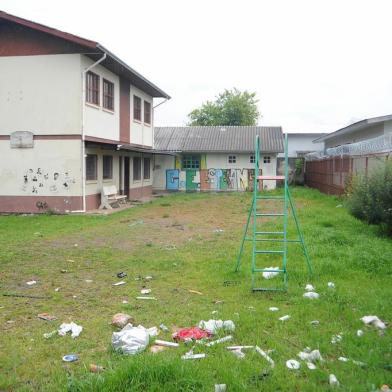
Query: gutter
x=83 y=152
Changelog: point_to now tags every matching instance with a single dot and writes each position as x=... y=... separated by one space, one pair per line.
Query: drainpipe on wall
x=84 y=72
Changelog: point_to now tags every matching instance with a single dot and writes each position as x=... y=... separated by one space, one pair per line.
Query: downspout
x=84 y=72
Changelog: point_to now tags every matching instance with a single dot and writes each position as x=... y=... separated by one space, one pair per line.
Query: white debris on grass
x=333 y=381
x=190 y=355
x=220 y=387
x=151 y=298
x=221 y=340
x=57 y=289
x=343 y=359
x=31 y=282
x=336 y=338
x=311 y=356
x=50 y=334
x=119 y=283
x=309 y=287
x=265 y=355
x=315 y=322
x=131 y=340
x=331 y=285
x=311 y=365
x=270 y=274
x=165 y=343
x=373 y=320
x=293 y=364
x=359 y=333
x=273 y=309
x=214 y=325
x=238 y=353
x=70 y=327
x=145 y=291
x=284 y=318
x=311 y=295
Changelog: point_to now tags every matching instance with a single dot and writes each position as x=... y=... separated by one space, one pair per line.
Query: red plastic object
x=191 y=333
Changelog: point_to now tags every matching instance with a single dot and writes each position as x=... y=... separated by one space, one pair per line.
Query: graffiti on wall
x=210 y=179
x=39 y=181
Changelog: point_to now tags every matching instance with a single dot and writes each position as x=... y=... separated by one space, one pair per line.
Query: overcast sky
x=316 y=65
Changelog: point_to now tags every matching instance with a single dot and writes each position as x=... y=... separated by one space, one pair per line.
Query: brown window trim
x=107 y=98
x=148 y=167
x=93 y=85
x=96 y=167
x=137 y=111
x=103 y=167
x=147 y=114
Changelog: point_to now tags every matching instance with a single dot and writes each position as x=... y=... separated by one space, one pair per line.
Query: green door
x=190 y=184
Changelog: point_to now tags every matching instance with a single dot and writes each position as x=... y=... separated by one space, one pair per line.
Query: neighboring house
x=300 y=144
x=359 y=131
x=217 y=158
x=73 y=118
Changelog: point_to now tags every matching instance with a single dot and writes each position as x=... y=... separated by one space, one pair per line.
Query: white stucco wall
x=141 y=133
x=41 y=170
x=161 y=164
x=41 y=94
x=100 y=122
x=302 y=142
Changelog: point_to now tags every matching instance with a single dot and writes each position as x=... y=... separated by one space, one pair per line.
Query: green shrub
x=370 y=197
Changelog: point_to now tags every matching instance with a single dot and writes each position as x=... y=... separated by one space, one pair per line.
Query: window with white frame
x=267 y=159
x=232 y=159
x=252 y=159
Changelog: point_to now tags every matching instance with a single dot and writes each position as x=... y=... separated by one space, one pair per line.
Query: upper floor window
x=137 y=168
x=107 y=167
x=92 y=88
x=137 y=108
x=232 y=159
x=91 y=167
x=252 y=159
x=191 y=162
x=108 y=95
x=147 y=112
x=267 y=159
x=146 y=168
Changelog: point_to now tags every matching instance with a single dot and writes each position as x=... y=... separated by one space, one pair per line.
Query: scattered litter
x=152 y=298
x=145 y=291
x=139 y=222
x=71 y=327
x=238 y=353
x=336 y=338
x=157 y=349
x=124 y=301
x=121 y=275
x=331 y=285
x=273 y=309
x=214 y=312
x=190 y=355
x=119 y=283
x=359 y=332
x=343 y=359
x=120 y=320
x=339 y=206
x=131 y=340
x=57 y=289
x=153 y=331
x=265 y=355
x=221 y=340
x=311 y=356
x=293 y=364
x=315 y=322
x=270 y=274
x=214 y=325
x=251 y=308
x=46 y=317
x=309 y=287
x=74 y=296
x=76 y=245
x=194 y=333
x=164 y=328
x=31 y=282
x=88 y=281
x=148 y=278
x=333 y=380
x=166 y=343
x=238 y=347
x=284 y=318
x=48 y=335
x=70 y=358
x=373 y=320
x=96 y=368
x=218 y=302
x=385 y=388
x=70 y=261
x=311 y=295
x=220 y=387
x=195 y=292
x=63 y=271
x=218 y=230
x=311 y=365
x=359 y=363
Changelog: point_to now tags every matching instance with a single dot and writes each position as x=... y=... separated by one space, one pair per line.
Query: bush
x=370 y=197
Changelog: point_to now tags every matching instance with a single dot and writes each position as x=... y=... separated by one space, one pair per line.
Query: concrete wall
x=41 y=94
x=141 y=133
x=302 y=142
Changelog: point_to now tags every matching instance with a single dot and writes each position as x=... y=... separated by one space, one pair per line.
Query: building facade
x=69 y=122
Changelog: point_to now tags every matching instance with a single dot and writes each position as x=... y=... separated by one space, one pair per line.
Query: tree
x=232 y=107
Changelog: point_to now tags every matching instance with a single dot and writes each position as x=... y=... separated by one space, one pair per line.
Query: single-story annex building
x=213 y=158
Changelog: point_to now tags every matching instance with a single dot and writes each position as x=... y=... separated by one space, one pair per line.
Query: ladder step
x=270 y=239
x=269 y=232
x=262 y=178
x=269 y=214
x=269 y=251
x=267 y=270
x=270 y=197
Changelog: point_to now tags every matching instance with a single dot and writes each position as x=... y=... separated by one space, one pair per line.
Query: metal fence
x=332 y=175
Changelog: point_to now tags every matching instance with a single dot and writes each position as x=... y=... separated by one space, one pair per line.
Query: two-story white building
x=73 y=117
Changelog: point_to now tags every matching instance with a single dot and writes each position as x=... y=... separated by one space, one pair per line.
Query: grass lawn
x=177 y=245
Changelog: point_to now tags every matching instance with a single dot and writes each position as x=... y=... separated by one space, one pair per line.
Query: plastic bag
x=71 y=327
x=194 y=333
x=131 y=340
x=213 y=326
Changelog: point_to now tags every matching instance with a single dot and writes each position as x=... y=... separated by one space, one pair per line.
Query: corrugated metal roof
x=218 y=139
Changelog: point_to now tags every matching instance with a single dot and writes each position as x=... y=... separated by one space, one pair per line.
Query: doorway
x=126 y=176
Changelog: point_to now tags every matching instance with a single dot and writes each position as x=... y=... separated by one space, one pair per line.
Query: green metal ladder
x=255 y=214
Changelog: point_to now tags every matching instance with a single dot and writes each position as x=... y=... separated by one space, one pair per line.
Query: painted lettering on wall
x=40 y=181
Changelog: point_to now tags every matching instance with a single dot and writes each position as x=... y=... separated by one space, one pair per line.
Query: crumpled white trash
x=71 y=327
x=333 y=380
x=273 y=309
x=373 y=320
x=214 y=325
x=131 y=340
x=312 y=356
x=309 y=287
x=270 y=274
x=331 y=285
x=293 y=364
x=311 y=295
